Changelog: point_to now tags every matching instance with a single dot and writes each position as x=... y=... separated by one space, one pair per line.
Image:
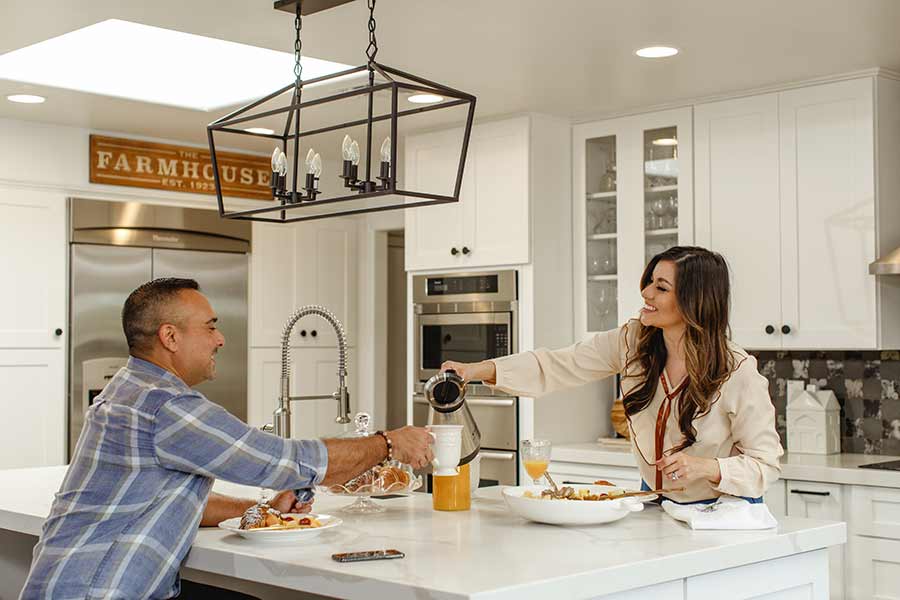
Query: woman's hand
x=684 y=467
x=480 y=371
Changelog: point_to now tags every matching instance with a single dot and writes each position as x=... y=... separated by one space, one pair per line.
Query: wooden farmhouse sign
x=117 y=161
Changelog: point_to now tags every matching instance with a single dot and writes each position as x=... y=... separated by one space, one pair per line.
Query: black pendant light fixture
x=311 y=112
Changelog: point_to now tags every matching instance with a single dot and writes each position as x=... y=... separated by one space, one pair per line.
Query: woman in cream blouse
x=701 y=420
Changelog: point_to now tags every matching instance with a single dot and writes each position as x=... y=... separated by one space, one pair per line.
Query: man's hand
x=412 y=445
x=287 y=502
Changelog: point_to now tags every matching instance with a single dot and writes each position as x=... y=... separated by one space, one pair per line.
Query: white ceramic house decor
x=814 y=422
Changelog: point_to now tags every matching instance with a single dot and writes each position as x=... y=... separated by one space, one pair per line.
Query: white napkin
x=727 y=512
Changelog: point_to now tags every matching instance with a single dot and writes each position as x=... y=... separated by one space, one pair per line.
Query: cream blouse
x=738 y=431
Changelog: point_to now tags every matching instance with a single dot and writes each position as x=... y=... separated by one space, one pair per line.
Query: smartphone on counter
x=367 y=555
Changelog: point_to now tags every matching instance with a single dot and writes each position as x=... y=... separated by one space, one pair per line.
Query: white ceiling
x=572 y=58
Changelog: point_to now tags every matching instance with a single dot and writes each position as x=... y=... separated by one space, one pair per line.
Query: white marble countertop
x=830 y=468
x=484 y=553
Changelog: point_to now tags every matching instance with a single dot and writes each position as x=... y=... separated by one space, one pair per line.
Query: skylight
x=150 y=64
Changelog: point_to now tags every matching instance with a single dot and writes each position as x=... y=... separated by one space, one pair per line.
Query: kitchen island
x=484 y=553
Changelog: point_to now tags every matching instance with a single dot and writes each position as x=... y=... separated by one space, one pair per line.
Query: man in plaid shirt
x=139 y=482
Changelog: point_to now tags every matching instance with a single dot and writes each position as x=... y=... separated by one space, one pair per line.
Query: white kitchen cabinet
x=798 y=577
x=33 y=433
x=33 y=263
x=785 y=190
x=313 y=371
x=814 y=500
x=874 y=568
x=299 y=264
x=633 y=198
x=490 y=223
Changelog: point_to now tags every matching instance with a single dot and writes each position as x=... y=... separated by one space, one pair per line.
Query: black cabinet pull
x=454 y=251
x=785 y=329
x=314 y=333
x=810 y=493
x=770 y=330
x=302 y=333
x=466 y=250
x=58 y=332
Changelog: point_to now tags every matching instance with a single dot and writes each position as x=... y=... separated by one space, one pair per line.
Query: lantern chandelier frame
x=292 y=204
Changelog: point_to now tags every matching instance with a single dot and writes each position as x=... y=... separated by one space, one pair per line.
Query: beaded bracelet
x=390 y=445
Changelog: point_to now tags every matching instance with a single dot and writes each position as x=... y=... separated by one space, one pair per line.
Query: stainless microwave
x=466 y=317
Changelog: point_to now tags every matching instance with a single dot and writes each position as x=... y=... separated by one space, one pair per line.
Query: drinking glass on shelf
x=536 y=458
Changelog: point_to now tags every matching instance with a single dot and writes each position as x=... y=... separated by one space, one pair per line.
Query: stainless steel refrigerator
x=117 y=246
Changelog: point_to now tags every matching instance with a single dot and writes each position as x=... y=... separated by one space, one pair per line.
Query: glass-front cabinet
x=633 y=198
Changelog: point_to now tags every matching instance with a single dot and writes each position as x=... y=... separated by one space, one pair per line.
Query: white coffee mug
x=447 y=447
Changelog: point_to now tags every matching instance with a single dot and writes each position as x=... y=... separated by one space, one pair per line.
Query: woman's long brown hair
x=701 y=290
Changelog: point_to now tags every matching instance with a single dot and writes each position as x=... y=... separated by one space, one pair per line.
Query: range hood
x=888 y=264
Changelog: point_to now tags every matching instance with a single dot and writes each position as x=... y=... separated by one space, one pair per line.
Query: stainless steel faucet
x=282 y=416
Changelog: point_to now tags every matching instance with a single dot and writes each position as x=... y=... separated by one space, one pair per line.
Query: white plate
x=569 y=512
x=282 y=535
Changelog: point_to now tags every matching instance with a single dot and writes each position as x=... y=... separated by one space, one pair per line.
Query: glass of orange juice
x=536 y=458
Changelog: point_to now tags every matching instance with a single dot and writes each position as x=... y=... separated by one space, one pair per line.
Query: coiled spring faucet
x=282 y=416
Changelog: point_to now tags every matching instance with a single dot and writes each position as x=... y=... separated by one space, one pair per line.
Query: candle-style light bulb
x=282 y=164
x=317 y=165
x=275 y=157
x=386 y=150
x=309 y=159
x=354 y=153
x=345 y=147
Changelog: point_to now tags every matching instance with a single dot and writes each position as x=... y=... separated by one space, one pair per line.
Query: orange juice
x=452 y=492
x=536 y=468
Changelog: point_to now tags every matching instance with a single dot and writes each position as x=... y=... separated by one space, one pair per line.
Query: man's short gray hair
x=144 y=310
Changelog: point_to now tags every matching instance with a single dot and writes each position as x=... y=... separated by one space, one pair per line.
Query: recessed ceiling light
x=154 y=68
x=425 y=98
x=665 y=142
x=25 y=98
x=262 y=130
x=656 y=52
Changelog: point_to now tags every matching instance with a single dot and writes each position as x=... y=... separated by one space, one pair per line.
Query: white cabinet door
x=797 y=577
x=738 y=208
x=295 y=265
x=876 y=511
x=874 y=569
x=33 y=263
x=313 y=371
x=433 y=231
x=812 y=500
x=490 y=225
x=496 y=211
x=828 y=215
x=33 y=429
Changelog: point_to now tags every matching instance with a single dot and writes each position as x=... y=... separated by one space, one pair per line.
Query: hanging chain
x=372 y=48
x=298 y=45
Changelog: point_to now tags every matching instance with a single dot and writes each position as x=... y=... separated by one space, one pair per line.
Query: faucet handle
x=268 y=428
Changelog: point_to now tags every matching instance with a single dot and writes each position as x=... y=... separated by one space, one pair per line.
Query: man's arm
x=220 y=507
x=347 y=458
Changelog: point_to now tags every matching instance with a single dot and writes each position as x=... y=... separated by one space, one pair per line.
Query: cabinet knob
x=454 y=251
x=302 y=333
x=58 y=332
x=785 y=329
x=466 y=250
x=770 y=330
x=313 y=333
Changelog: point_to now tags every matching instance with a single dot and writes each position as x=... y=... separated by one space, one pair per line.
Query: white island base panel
x=488 y=553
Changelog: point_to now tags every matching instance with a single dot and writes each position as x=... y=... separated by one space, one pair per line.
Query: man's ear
x=168 y=336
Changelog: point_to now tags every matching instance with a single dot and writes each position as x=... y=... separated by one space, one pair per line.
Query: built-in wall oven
x=469 y=317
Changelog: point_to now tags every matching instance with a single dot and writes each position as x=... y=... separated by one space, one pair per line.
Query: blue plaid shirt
x=129 y=507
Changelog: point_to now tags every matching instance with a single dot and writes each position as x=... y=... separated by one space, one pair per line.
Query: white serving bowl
x=569 y=512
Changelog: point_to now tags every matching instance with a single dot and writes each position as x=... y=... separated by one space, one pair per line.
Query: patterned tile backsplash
x=867 y=385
